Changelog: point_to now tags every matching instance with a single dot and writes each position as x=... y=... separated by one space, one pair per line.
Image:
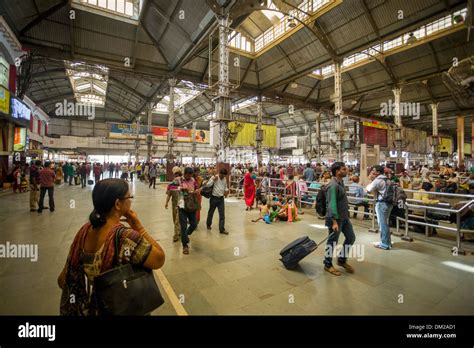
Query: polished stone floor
x=239 y=273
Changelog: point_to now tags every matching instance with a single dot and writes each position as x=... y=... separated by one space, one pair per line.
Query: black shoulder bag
x=126 y=289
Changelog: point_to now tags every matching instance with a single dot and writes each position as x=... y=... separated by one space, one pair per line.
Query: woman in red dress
x=249 y=189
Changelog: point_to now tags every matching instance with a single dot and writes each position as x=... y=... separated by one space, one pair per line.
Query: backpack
x=321 y=201
x=394 y=194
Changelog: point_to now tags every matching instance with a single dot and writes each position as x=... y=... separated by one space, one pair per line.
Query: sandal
x=186 y=250
x=332 y=270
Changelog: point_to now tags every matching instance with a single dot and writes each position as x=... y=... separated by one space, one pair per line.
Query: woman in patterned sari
x=249 y=189
x=93 y=249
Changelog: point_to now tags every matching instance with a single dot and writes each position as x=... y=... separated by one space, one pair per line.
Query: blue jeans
x=345 y=227
x=186 y=230
x=383 y=211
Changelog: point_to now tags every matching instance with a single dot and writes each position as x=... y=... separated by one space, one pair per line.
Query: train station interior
x=215 y=133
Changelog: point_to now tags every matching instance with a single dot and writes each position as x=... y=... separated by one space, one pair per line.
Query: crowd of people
x=278 y=191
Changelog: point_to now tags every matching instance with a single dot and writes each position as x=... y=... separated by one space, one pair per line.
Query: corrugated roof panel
x=111 y=45
x=356 y=29
x=101 y=24
x=268 y=58
x=50 y=32
x=149 y=52
x=386 y=15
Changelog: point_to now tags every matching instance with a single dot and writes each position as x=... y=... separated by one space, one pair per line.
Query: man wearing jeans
x=46 y=179
x=382 y=209
x=337 y=220
x=219 y=192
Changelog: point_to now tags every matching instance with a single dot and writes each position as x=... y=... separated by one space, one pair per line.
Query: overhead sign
x=19 y=140
x=20 y=111
x=289 y=142
x=297 y=152
x=4 y=72
x=243 y=134
x=375 y=124
x=4 y=100
x=129 y=131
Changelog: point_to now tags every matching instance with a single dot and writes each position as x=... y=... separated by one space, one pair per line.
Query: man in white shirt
x=424 y=171
x=219 y=192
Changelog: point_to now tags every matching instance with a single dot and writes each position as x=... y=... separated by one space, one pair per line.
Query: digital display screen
x=19 y=140
x=20 y=110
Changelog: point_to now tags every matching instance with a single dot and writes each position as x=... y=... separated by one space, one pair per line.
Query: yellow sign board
x=244 y=134
x=375 y=125
x=4 y=100
x=445 y=145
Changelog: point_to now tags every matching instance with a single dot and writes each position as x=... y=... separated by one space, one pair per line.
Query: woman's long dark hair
x=104 y=195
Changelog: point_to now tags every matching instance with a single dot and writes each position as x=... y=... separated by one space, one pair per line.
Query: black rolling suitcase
x=298 y=250
x=90 y=182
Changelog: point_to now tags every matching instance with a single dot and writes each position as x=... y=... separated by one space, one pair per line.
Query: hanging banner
x=289 y=142
x=445 y=145
x=4 y=72
x=19 y=139
x=129 y=131
x=243 y=134
x=4 y=101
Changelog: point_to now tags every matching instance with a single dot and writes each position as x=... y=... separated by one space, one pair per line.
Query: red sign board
x=374 y=136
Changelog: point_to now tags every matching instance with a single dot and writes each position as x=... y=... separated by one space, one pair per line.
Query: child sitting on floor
x=264 y=212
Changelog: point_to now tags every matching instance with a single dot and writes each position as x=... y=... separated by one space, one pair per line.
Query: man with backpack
x=337 y=220
x=383 y=204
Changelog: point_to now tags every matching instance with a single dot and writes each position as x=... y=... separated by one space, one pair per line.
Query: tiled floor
x=239 y=273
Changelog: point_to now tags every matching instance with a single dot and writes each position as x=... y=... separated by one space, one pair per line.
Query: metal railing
x=422 y=206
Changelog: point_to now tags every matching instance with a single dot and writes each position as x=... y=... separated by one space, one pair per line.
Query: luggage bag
x=297 y=250
x=90 y=182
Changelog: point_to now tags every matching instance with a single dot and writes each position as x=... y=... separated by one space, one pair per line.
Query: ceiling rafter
x=42 y=16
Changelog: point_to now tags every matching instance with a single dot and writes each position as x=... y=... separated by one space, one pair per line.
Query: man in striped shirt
x=337 y=220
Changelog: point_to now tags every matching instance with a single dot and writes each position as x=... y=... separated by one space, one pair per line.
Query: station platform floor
x=237 y=274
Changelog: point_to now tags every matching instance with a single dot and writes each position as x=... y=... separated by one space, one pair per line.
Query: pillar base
x=374 y=230
x=407 y=238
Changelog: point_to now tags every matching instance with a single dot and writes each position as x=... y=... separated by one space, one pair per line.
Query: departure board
x=374 y=136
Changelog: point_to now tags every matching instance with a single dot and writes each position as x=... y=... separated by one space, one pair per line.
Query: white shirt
x=220 y=186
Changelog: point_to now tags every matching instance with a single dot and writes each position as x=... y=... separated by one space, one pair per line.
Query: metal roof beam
x=371 y=18
x=318 y=82
x=42 y=16
x=115 y=81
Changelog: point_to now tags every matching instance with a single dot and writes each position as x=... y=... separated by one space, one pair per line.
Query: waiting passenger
x=93 y=249
x=359 y=197
x=308 y=173
x=417 y=181
x=405 y=180
x=325 y=179
x=382 y=208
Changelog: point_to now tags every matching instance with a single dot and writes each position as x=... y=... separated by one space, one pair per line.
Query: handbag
x=126 y=289
x=191 y=202
x=207 y=191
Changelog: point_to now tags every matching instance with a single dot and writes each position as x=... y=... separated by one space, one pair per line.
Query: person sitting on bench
x=359 y=197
